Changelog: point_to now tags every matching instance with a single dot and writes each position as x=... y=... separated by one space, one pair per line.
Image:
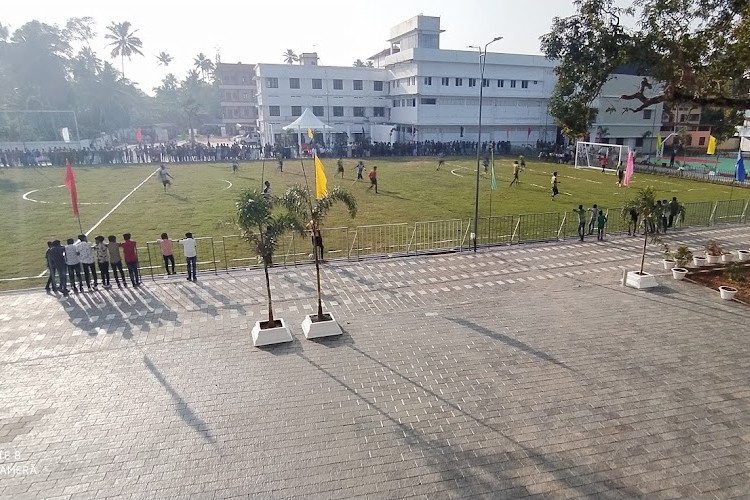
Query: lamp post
x=482 y=62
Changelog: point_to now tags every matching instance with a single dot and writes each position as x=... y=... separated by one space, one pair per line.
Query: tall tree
x=203 y=64
x=370 y=64
x=80 y=29
x=359 y=63
x=290 y=57
x=690 y=51
x=124 y=42
x=163 y=59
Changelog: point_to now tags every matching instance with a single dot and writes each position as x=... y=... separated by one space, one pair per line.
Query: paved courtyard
x=517 y=371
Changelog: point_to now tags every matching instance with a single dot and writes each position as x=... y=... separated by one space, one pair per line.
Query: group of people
x=77 y=261
x=597 y=220
x=663 y=215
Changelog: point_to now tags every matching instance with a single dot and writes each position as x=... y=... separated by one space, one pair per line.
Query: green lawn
x=200 y=198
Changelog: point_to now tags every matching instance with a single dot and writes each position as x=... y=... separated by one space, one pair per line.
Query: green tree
x=311 y=213
x=262 y=225
x=124 y=42
x=359 y=63
x=290 y=57
x=692 y=51
x=163 y=59
x=722 y=121
x=203 y=64
x=370 y=64
x=80 y=29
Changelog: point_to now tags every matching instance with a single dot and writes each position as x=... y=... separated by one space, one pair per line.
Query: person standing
x=633 y=222
x=73 y=263
x=235 y=166
x=164 y=177
x=594 y=214
x=266 y=190
x=441 y=160
x=340 y=167
x=59 y=266
x=102 y=259
x=581 y=221
x=516 y=170
x=360 y=167
x=317 y=241
x=165 y=244
x=115 y=261
x=87 y=261
x=191 y=255
x=665 y=214
x=555 y=183
x=50 y=286
x=130 y=252
x=620 y=175
x=601 y=221
x=674 y=209
x=373 y=179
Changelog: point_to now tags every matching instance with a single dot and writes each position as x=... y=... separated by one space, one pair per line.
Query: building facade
x=237 y=86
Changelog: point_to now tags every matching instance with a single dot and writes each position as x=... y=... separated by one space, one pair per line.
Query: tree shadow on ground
x=10 y=186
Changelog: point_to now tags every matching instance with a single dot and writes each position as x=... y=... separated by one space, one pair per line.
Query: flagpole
x=489 y=222
x=79 y=225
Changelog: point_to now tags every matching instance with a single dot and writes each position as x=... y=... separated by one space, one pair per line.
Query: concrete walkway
x=517 y=371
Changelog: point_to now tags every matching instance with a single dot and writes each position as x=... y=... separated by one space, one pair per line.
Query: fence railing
x=222 y=254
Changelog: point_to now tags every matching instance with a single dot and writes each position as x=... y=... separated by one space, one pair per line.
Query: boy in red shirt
x=130 y=253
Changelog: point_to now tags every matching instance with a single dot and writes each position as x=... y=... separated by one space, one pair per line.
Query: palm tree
x=262 y=227
x=370 y=64
x=124 y=42
x=88 y=57
x=163 y=59
x=298 y=201
x=290 y=57
x=203 y=64
x=358 y=64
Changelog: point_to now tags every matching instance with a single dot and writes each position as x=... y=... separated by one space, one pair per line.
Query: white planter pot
x=267 y=336
x=669 y=263
x=727 y=292
x=699 y=261
x=316 y=329
x=727 y=257
x=743 y=255
x=641 y=281
x=713 y=259
x=679 y=272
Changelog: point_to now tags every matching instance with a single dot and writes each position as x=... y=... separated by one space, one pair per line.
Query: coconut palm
x=359 y=63
x=370 y=64
x=203 y=64
x=124 y=42
x=262 y=227
x=88 y=57
x=290 y=57
x=163 y=59
x=299 y=202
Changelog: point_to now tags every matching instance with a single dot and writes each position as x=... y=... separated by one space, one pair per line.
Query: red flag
x=528 y=134
x=70 y=181
x=138 y=135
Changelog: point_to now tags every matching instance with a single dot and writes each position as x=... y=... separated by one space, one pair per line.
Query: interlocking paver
x=518 y=371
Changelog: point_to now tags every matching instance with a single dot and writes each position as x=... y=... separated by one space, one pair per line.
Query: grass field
x=202 y=195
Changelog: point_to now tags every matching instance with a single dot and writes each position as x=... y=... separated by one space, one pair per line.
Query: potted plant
x=736 y=274
x=668 y=260
x=679 y=273
x=298 y=201
x=682 y=255
x=262 y=225
x=644 y=204
x=727 y=257
x=743 y=255
x=713 y=252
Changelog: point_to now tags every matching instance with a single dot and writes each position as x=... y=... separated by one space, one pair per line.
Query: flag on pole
x=711 y=145
x=528 y=133
x=138 y=136
x=629 y=168
x=658 y=144
x=739 y=172
x=309 y=133
x=70 y=181
x=321 y=183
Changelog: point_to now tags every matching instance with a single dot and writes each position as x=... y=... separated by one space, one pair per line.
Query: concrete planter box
x=267 y=336
x=641 y=280
x=727 y=257
x=699 y=261
x=315 y=329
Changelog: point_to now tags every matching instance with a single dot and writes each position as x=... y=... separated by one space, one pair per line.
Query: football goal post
x=600 y=155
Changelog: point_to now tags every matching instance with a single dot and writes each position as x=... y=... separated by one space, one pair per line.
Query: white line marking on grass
x=454 y=171
x=27 y=198
x=112 y=210
x=229 y=186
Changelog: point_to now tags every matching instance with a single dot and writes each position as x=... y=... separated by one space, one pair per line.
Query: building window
x=338 y=110
x=428 y=100
x=619 y=141
x=338 y=85
x=272 y=83
x=639 y=142
x=318 y=111
x=274 y=111
x=485 y=82
x=647 y=114
x=472 y=82
x=412 y=80
x=428 y=80
x=359 y=111
x=377 y=86
x=294 y=83
x=396 y=103
x=459 y=82
x=701 y=141
x=235 y=95
x=317 y=84
x=245 y=96
x=357 y=85
x=413 y=103
x=501 y=83
x=235 y=113
x=445 y=81
x=296 y=110
x=512 y=84
x=536 y=82
x=524 y=84
x=378 y=112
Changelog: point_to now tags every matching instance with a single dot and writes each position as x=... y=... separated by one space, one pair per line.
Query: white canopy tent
x=307 y=120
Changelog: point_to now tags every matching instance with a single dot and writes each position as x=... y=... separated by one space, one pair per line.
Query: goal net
x=600 y=155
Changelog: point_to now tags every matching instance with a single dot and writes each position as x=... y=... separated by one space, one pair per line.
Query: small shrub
x=735 y=271
x=713 y=248
x=682 y=255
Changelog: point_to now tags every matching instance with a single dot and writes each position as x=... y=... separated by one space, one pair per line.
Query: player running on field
x=164 y=177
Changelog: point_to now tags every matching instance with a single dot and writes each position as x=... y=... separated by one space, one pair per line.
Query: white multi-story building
x=237 y=89
x=348 y=99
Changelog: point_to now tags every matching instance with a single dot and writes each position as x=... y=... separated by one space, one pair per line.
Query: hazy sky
x=260 y=31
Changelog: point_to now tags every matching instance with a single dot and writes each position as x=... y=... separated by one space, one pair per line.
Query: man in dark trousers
x=373 y=179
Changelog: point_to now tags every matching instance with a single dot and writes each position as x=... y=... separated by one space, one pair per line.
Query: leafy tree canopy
x=691 y=51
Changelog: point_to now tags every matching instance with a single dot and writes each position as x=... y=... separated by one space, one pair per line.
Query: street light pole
x=482 y=62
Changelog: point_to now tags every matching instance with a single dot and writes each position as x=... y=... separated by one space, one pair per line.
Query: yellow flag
x=711 y=145
x=321 y=183
x=310 y=133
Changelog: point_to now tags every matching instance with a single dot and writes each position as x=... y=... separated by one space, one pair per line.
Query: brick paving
x=518 y=371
